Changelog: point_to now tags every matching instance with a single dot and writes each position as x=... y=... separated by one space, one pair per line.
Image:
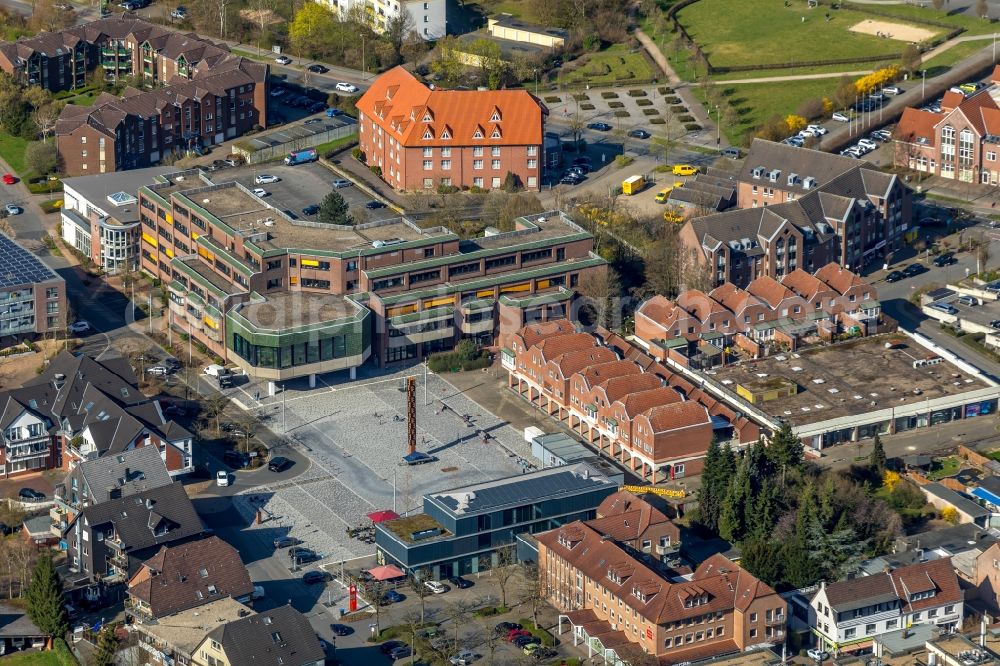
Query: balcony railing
x=775 y=621
x=22 y=452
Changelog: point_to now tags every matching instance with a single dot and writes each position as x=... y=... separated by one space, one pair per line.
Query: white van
x=215 y=370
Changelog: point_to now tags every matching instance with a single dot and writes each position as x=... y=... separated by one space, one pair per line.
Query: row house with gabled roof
x=621 y=402
x=421 y=137
x=831 y=300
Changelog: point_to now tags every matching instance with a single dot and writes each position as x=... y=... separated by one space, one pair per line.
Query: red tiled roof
x=952 y=100
x=732 y=297
x=624 y=517
x=916 y=125
x=687 y=414
x=803 y=284
x=936 y=576
x=601 y=372
x=839 y=278
x=554 y=347
x=618 y=387
x=769 y=290
x=573 y=362
x=661 y=310
x=409 y=110
x=699 y=304
x=532 y=334
x=972 y=107
x=642 y=401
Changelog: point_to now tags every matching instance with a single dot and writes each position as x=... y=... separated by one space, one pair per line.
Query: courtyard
x=354 y=436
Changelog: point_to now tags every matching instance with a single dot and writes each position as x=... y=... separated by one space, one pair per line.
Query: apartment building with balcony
x=107 y=543
x=961 y=142
x=184 y=576
x=638 y=527
x=118 y=45
x=92 y=409
x=801 y=208
x=100 y=217
x=422 y=137
x=622 y=608
x=429 y=19
x=619 y=400
x=32 y=296
x=851 y=614
x=827 y=303
x=285 y=298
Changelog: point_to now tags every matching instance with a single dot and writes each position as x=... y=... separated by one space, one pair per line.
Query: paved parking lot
x=301 y=186
x=355 y=437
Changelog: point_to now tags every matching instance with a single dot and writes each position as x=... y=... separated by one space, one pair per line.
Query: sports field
x=756 y=32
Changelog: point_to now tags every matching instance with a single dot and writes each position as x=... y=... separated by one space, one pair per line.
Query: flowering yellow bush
x=827 y=105
x=890 y=479
x=795 y=123
x=877 y=79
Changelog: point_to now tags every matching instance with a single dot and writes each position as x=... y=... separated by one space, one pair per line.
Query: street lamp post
x=923 y=79
x=718 y=128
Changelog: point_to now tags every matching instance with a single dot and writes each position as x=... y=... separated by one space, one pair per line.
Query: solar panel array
x=20 y=267
x=523 y=490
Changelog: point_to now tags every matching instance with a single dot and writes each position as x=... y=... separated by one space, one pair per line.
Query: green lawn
x=86 y=99
x=940 y=64
x=764 y=31
x=31 y=659
x=942 y=468
x=972 y=25
x=757 y=102
x=614 y=65
x=12 y=152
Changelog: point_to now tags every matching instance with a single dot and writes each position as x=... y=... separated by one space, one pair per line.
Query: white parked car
x=265 y=178
x=435 y=587
x=817 y=654
x=283 y=60
x=215 y=370
x=464 y=658
x=868 y=144
x=259 y=192
x=841 y=117
x=346 y=87
x=13 y=209
x=222 y=478
x=818 y=130
x=79 y=327
x=892 y=90
x=158 y=371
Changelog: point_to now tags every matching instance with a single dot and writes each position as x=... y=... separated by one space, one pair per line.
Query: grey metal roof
x=963 y=504
x=19 y=267
x=537 y=486
x=129 y=472
x=14 y=623
x=96 y=189
x=279 y=637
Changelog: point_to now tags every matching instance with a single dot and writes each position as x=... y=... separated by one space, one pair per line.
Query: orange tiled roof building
x=421 y=137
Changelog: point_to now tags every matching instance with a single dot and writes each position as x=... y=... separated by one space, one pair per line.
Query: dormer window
x=446 y=134
x=496 y=133
x=495 y=118
x=428 y=134
x=614 y=577
x=478 y=134
x=639 y=594
x=917 y=596
x=427 y=118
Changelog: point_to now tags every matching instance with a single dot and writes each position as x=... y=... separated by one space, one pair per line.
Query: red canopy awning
x=382 y=516
x=386 y=572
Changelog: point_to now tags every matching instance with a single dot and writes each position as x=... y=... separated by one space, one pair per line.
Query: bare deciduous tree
x=419 y=589
x=374 y=590
x=505 y=569
x=45 y=118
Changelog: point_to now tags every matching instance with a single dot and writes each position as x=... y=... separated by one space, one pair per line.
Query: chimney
x=127 y=476
x=59 y=380
x=149 y=504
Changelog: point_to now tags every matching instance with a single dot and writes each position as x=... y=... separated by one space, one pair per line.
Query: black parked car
x=946 y=259
x=285 y=542
x=521 y=641
x=401 y=652
x=318 y=69
x=279 y=464
x=30 y=494
x=600 y=127
x=914 y=269
x=639 y=134
x=311 y=209
x=373 y=204
x=895 y=276
x=312 y=577
x=302 y=555
x=504 y=628
x=460 y=582
x=341 y=629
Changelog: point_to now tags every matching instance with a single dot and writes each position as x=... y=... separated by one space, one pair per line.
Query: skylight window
x=122 y=198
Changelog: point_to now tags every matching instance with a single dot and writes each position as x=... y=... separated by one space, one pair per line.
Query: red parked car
x=516 y=633
x=9 y=179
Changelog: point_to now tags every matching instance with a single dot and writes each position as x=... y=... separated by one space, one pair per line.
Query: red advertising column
x=353 y=590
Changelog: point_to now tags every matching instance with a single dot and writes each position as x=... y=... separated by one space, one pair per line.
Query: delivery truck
x=302 y=156
x=633 y=185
